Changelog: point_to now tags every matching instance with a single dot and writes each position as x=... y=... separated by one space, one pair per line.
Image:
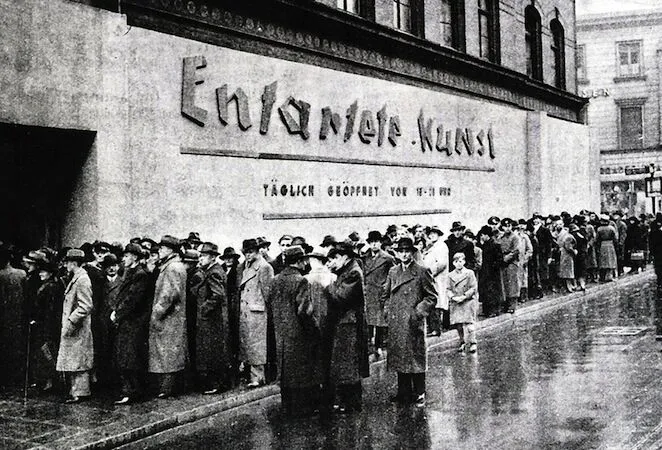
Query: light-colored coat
x=510 y=272
x=463 y=287
x=526 y=252
x=76 y=352
x=435 y=258
x=253 y=293
x=567 y=248
x=168 y=348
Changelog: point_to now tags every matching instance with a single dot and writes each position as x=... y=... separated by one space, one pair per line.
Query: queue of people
x=150 y=318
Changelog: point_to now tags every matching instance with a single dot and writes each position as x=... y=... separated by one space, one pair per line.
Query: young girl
x=463 y=296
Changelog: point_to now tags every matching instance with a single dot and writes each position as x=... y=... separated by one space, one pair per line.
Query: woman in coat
x=606 y=245
x=636 y=245
x=463 y=300
x=490 y=283
x=76 y=355
x=567 y=252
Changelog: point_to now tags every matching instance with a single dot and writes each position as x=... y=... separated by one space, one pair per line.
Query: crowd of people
x=158 y=318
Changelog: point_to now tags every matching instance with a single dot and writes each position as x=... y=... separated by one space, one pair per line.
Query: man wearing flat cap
x=256 y=276
x=76 y=354
x=212 y=331
x=167 y=325
x=131 y=319
x=409 y=295
x=376 y=264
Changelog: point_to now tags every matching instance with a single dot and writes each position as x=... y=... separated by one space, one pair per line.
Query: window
x=629 y=59
x=452 y=24
x=558 y=50
x=580 y=62
x=363 y=8
x=351 y=6
x=402 y=15
x=533 y=37
x=488 y=30
x=631 y=129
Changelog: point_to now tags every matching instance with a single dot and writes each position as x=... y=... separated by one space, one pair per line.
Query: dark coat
x=375 y=271
x=12 y=323
x=212 y=331
x=233 y=311
x=297 y=337
x=490 y=283
x=132 y=310
x=546 y=245
x=45 y=333
x=655 y=244
x=457 y=245
x=635 y=241
x=193 y=280
x=582 y=252
x=346 y=318
x=409 y=295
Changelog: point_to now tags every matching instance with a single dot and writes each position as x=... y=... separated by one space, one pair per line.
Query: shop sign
x=595 y=93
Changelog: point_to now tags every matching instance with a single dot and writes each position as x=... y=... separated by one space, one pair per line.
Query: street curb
x=243 y=398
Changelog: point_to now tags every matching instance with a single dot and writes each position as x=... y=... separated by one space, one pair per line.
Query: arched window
x=558 y=49
x=533 y=39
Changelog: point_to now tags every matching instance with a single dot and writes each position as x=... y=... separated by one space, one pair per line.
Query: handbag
x=637 y=256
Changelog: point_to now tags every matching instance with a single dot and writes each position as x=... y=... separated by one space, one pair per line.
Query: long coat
x=297 y=336
x=456 y=245
x=591 y=250
x=318 y=281
x=76 y=352
x=375 y=270
x=490 y=282
x=510 y=270
x=462 y=296
x=253 y=294
x=12 y=323
x=45 y=337
x=435 y=258
x=525 y=252
x=409 y=295
x=212 y=337
x=567 y=247
x=606 y=245
x=132 y=311
x=168 y=349
x=346 y=315
x=545 y=247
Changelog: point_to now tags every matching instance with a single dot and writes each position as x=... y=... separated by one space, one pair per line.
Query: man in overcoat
x=212 y=333
x=12 y=302
x=76 y=354
x=509 y=243
x=376 y=264
x=230 y=265
x=167 y=324
x=435 y=258
x=190 y=259
x=409 y=295
x=349 y=339
x=131 y=319
x=256 y=278
x=546 y=245
x=297 y=338
x=456 y=242
x=621 y=234
x=490 y=283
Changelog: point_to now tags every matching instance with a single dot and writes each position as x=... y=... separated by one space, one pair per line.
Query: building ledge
x=625 y=79
x=631 y=151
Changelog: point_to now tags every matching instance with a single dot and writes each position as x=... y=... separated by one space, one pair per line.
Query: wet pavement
x=585 y=375
x=570 y=372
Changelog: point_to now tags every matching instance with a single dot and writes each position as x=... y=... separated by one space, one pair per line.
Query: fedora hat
x=191 y=256
x=435 y=229
x=136 y=250
x=262 y=242
x=208 y=248
x=374 y=236
x=194 y=237
x=101 y=247
x=319 y=253
x=292 y=254
x=74 y=254
x=35 y=257
x=170 y=241
x=109 y=260
x=328 y=241
x=405 y=244
x=47 y=265
x=457 y=226
x=249 y=245
x=494 y=220
x=229 y=252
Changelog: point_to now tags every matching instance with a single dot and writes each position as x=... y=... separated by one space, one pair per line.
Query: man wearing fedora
x=190 y=259
x=167 y=325
x=230 y=265
x=212 y=332
x=435 y=258
x=456 y=242
x=76 y=354
x=130 y=317
x=376 y=264
x=348 y=335
x=264 y=245
x=509 y=243
x=256 y=277
x=409 y=295
x=297 y=337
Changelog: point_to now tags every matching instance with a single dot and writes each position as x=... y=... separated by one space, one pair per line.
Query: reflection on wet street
x=581 y=376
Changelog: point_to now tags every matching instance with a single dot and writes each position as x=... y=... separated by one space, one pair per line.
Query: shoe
x=212 y=391
x=254 y=384
x=510 y=311
x=123 y=401
x=73 y=400
x=461 y=348
x=163 y=395
x=420 y=401
x=473 y=347
x=433 y=334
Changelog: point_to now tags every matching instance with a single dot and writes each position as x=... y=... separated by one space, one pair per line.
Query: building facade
x=238 y=119
x=619 y=58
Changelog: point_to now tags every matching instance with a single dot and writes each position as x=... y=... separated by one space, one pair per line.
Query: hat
x=148 y=243
x=507 y=221
x=386 y=241
x=521 y=222
x=101 y=247
x=469 y=234
x=109 y=260
x=191 y=256
x=554 y=218
x=604 y=217
x=457 y=226
x=328 y=241
x=405 y=244
x=250 y=245
x=537 y=216
x=319 y=253
x=494 y=220
x=342 y=248
x=135 y=249
x=34 y=257
x=170 y=241
x=194 y=237
x=298 y=240
x=262 y=242
x=374 y=236
x=208 y=248
x=47 y=265
x=292 y=254
x=230 y=253
x=354 y=236
x=486 y=230
x=285 y=237
x=391 y=229
x=74 y=254
x=435 y=229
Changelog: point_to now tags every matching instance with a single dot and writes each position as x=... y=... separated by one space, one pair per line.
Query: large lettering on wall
x=380 y=129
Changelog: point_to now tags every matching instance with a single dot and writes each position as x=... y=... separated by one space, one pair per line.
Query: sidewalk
x=46 y=423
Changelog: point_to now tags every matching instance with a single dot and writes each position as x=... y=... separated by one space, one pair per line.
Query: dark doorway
x=38 y=170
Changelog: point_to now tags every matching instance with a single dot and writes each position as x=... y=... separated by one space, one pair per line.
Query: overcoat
x=346 y=315
x=12 y=323
x=193 y=280
x=212 y=336
x=375 y=269
x=460 y=244
x=591 y=247
x=490 y=283
x=45 y=337
x=567 y=246
x=231 y=275
x=635 y=241
x=545 y=246
x=582 y=250
x=462 y=284
x=76 y=353
x=409 y=295
x=253 y=294
x=606 y=245
x=435 y=258
x=168 y=349
x=621 y=235
x=297 y=337
x=526 y=252
x=132 y=311
x=318 y=281
x=510 y=270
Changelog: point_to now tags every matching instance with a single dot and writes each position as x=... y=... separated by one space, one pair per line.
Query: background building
x=619 y=58
x=236 y=119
